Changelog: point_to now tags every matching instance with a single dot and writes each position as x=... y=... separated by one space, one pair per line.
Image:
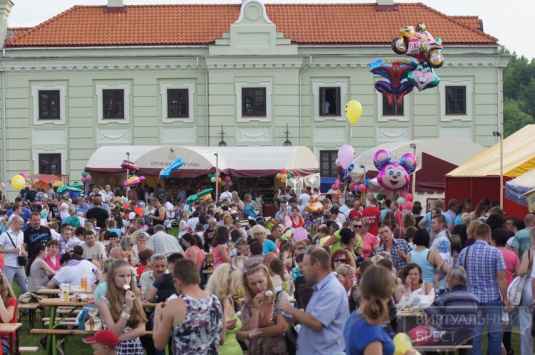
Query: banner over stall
x=233 y=161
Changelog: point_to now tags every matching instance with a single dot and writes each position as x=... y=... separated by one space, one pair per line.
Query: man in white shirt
x=163 y=243
x=194 y=220
x=304 y=198
x=11 y=245
x=157 y=267
x=92 y=248
x=75 y=269
x=226 y=194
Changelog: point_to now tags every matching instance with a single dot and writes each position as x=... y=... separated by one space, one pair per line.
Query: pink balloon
x=288 y=224
x=408 y=197
x=286 y=218
x=300 y=234
x=408 y=204
x=84 y=179
x=24 y=175
x=88 y=178
x=346 y=154
x=337 y=182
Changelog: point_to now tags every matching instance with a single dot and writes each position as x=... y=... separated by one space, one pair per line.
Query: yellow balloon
x=402 y=343
x=353 y=111
x=18 y=182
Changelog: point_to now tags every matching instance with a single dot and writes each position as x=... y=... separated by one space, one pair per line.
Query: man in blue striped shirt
x=485 y=268
x=455 y=312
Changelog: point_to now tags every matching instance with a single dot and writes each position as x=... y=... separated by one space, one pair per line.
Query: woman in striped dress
x=121 y=309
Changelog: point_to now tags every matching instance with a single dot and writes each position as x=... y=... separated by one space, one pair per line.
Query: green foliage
x=513 y=117
x=519 y=94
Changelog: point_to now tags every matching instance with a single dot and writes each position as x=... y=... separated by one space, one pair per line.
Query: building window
x=49 y=100
x=329 y=101
x=253 y=102
x=394 y=108
x=113 y=103
x=177 y=103
x=328 y=163
x=455 y=100
x=50 y=164
x=49 y=104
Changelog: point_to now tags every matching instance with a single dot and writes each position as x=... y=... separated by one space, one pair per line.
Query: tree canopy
x=519 y=94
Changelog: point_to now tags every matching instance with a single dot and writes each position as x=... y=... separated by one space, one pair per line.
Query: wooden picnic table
x=56 y=291
x=53 y=304
x=13 y=329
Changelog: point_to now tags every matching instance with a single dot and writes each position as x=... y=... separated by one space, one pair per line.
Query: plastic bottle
x=83 y=281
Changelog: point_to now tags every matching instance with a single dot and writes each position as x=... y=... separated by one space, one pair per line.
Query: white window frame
x=266 y=84
x=42 y=150
x=178 y=84
x=469 y=84
x=127 y=89
x=381 y=117
x=54 y=85
x=329 y=83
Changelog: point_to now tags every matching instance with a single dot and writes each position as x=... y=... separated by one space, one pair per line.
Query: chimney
x=115 y=3
x=385 y=2
x=5 y=9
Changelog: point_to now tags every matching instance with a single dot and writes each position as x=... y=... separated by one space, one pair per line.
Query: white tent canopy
x=233 y=161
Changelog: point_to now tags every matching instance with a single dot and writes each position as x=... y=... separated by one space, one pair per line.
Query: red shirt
x=300 y=222
x=11 y=302
x=374 y=217
x=354 y=213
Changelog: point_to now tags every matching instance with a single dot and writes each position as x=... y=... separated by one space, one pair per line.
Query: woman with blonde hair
x=471 y=233
x=121 y=309
x=261 y=310
x=8 y=309
x=219 y=284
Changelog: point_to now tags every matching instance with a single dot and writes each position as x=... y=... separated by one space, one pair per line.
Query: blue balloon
x=126 y=199
x=367 y=182
x=351 y=167
x=164 y=174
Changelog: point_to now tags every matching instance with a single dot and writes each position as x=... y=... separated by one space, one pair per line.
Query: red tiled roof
x=16 y=31
x=470 y=21
x=327 y=24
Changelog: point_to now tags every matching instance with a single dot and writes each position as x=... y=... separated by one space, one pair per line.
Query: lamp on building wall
x=222 y=133
x=413 y=187
x=500 y=137
x=287 y=142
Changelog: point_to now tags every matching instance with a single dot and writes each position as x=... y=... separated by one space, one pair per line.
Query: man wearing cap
x=103 y=342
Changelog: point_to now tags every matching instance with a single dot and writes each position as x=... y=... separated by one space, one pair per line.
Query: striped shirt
x=398 y=244
x=481 y=262
x=455 y=310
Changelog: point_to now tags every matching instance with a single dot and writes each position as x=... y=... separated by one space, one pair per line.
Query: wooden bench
x=63 y=323
x=442 y=347
x=70 y=332
x=31 y=308
x=28 y=349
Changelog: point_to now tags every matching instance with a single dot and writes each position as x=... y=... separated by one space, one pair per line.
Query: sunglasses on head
x=337 y=260
x=301 y=248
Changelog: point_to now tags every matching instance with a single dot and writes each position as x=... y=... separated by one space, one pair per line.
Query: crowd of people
x=338 y=288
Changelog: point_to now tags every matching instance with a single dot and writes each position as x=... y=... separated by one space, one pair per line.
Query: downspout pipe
x=206 y=102
x=4 y=125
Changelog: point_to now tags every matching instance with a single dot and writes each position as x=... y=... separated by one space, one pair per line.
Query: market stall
x=480 y=176
x=248 y=167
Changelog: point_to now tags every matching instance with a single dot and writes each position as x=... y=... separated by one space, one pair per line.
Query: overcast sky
x=506 y=20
